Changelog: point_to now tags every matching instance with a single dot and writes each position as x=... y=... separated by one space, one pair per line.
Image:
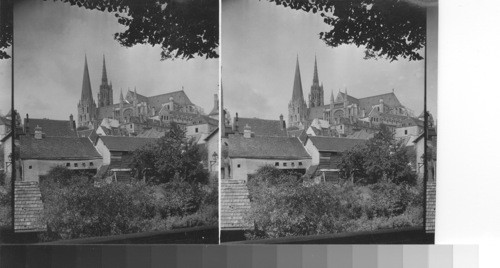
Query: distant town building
x=247 y=153
x=40 y=153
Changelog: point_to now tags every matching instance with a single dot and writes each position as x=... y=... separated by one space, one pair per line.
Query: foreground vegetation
x=75 y=208
x=282 y=206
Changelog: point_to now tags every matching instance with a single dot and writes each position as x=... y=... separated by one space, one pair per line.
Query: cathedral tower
x=87 y=109
x=105 y=95
x=297 y=107
x=316 y=97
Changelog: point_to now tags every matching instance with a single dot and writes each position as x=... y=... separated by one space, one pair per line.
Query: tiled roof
x=361 y=134
x=114 y=131
x=125 y=144
x=151 y=133
x=57 y=148
x=84 y=133
x=53 y=128
x=28 y=208
x=179 y=97
x=262 y=127
x=266 y=148
x=332 y=144
x=350 y=98
x=295 y=132
x=390 y=99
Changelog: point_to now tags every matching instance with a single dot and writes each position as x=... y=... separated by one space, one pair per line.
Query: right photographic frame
x=329 y=121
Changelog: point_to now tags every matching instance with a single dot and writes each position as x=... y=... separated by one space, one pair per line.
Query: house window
x=76 y=165
x=276 y=164
x=293 y=164
x=30 y=167
x=284 y=164
x=91 y=164
x=196 y=130
x=300 y=163
x=83 y=164
x=239 y=165
x=406 y=132
x=68 y=164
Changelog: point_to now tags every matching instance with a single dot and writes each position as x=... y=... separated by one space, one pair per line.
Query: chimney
x=38 y=133
x=282 y=123
x=235 y=123
x=27 y=124
x=71 y=122
x=247 y=132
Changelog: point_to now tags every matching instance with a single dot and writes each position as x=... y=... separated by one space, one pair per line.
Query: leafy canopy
x=381 y=158
x=386 y=28
x=183 y=28
x=171 y=157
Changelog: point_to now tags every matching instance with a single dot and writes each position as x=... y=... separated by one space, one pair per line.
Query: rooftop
x=56 y=148
x=125 y=144
x=333 y=144
x=266 y=148
x=52 y=128
x=262 y=127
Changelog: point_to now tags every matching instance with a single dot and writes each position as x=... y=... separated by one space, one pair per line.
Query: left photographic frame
x=114 y=114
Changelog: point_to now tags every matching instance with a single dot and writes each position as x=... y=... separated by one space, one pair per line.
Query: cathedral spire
x=121 y=95
x=332 y=98
x=86 y=88
x=297 y=84
x=104 y=79
x=315 y=77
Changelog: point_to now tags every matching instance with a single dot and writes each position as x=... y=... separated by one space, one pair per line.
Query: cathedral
x=133 y=107
x=344 y=113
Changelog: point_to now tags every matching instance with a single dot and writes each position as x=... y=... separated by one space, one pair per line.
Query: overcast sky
x=5 y=85
x=260 y=43
x=51 y=39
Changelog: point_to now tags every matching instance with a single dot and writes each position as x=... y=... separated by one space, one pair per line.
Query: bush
x=75 y=208
x=291 y=210
x=82 y=210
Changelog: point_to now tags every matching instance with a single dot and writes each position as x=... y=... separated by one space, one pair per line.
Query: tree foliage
x=183 y=28
x=386 y=28
x=6 y=32
x=381 y=158
x=171 y=157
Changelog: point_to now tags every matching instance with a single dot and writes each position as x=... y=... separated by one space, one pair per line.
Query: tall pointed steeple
x=105 y=95
x=297 y=107
x=297 y=84
x=86 y=88
x=316 y=97
x=315 y=77
x=86 y=105
x=104 y=79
